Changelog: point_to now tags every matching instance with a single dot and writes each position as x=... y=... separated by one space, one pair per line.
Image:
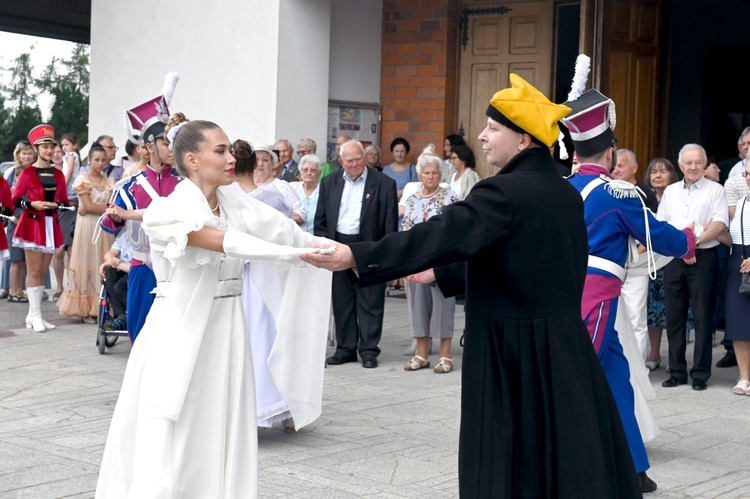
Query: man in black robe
x=538 y=418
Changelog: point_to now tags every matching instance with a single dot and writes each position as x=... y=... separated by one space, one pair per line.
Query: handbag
x=745 y=281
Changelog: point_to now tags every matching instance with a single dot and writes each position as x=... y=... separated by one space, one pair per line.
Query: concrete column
x=259 y=69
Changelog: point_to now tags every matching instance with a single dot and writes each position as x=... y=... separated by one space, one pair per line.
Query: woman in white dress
x=273 y=191
x=183 y=423
x=270 y=405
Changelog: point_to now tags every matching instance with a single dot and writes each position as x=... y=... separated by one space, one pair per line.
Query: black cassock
x=537 y=416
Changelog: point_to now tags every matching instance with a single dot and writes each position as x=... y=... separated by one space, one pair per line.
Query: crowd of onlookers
x=694 y=298
x=699 y=296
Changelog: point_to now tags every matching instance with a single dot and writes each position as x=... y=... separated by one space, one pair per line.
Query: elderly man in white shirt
x=693 y=281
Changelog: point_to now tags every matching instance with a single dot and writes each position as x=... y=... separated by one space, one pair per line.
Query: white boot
x=34 y=319
x=29 y=325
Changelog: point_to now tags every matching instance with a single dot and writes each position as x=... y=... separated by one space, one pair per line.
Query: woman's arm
x=91 y=208
x=70 y=163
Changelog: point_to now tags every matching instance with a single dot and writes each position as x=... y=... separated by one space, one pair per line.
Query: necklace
x=214 y=209
x=421 y=193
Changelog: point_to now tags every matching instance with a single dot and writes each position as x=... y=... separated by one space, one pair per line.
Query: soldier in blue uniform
x=615 y=218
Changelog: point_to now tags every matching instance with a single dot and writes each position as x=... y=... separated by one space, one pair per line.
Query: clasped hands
x=341 y=258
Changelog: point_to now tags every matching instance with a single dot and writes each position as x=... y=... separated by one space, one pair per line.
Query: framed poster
x=359 y=120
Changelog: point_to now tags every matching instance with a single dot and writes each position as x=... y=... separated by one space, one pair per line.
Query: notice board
x=359 y=120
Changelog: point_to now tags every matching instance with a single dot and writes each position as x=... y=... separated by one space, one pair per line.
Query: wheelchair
x=106 y=339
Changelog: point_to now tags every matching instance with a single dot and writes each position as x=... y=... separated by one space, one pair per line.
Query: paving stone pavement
x=384 y=433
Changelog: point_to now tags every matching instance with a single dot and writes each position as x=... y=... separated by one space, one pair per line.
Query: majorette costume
x=39 y=230
x=6 y=213
x=147 y=120
x=615 y=217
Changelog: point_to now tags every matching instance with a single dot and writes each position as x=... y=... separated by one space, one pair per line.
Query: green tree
x=71 y=110
x=67 y=79
x=20 y=93
x=7 y=144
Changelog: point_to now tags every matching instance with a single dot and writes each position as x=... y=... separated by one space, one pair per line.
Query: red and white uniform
x=32 y=226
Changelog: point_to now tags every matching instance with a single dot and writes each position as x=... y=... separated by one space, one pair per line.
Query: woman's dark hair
x=70 y=137
x=455 y=139
x=673 y=175
x=465 y=154
x=96 y=148
x=245 y=156
x=189 y=138
x=403 y=142
x=130 y=147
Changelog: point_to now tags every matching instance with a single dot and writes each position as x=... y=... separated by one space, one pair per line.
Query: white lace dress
x=184 y=423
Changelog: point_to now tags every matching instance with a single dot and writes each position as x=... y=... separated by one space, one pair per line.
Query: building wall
x=355 y=50
x=261 y=69
x=418 y=75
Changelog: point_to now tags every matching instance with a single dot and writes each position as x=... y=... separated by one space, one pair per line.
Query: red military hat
x=42 y=134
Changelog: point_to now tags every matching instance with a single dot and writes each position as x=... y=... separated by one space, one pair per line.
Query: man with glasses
x=290 y=173
x=115 y=172
x=692 y=281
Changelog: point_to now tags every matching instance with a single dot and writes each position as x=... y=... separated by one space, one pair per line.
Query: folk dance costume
x=614 y=212
x=39 y=230
x=81 y=295
x=184 y=421
x=6 y=214
x=615 y=216
x=137 y=193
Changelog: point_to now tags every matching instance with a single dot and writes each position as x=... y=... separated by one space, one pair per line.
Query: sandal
x=416 y=363
x=56 y=296
x=18 y=298
x=742 y=387
x=444 y=366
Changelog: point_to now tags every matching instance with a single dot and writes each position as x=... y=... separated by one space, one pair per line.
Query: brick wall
x=418 y=78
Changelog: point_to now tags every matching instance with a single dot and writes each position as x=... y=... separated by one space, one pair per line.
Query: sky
x=12 y=45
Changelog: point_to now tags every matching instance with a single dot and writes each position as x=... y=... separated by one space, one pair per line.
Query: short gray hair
x=311 y=159
x=688 y=147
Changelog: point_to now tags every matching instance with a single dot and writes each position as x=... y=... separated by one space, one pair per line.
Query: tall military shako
x=146 y=122
x=592 y=119
x=44 y=132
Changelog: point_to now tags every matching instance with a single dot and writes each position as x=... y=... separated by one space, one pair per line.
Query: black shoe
x=647 y=485
x=115 y=325
x=729 y=360
x=699 y=384
x=673 y=381
x=337 y=360
x=369 y=362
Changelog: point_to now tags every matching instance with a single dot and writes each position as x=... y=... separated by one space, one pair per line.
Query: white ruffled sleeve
x=168 y=221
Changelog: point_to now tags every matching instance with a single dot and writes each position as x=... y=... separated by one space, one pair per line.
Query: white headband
x=172 y=133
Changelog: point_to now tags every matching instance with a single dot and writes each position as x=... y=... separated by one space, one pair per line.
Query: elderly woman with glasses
x=310 y=167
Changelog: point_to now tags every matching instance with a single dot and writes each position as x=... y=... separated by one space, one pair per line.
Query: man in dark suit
x=290 y=170
x=356 y=204
x=537 y=415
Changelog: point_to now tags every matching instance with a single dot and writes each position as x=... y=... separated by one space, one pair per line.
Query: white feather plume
x=583 y=66
x=170 y=82
x=45 y=101
x=563 y=149
x=612 y=115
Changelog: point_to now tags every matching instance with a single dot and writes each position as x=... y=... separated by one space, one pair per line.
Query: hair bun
x=242 y=149
x=176 y=119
